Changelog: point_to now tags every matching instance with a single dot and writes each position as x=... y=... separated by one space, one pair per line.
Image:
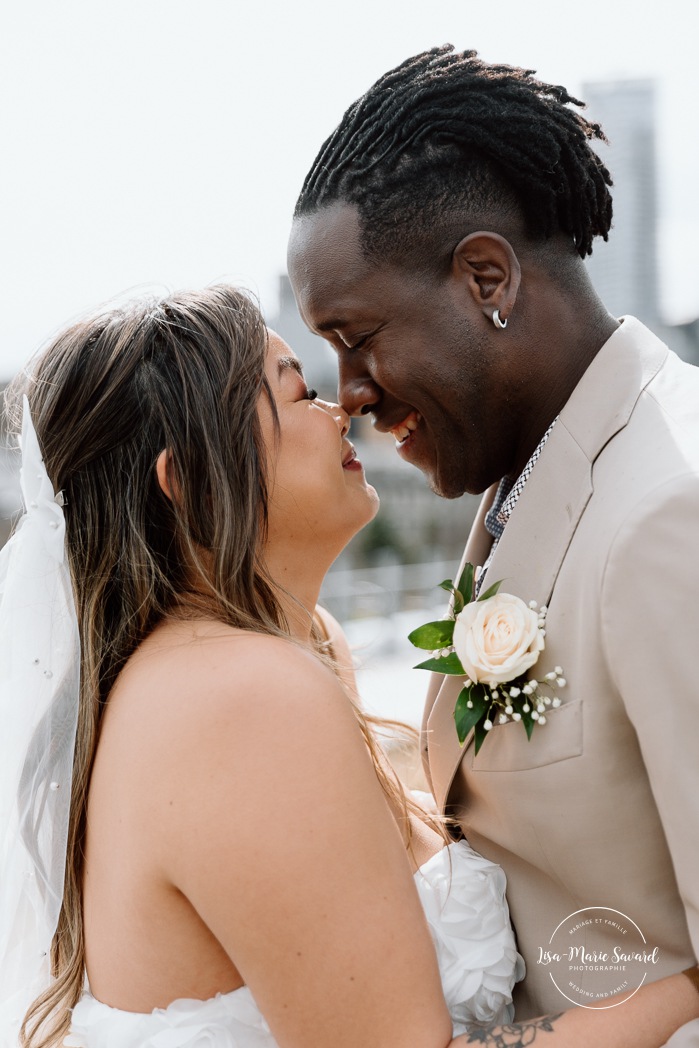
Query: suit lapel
x=529 y=555
x=476 y=552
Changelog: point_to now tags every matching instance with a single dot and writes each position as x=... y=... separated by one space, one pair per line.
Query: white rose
x=497 y=639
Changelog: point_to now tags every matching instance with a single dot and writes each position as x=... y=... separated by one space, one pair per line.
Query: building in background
x=624 y=270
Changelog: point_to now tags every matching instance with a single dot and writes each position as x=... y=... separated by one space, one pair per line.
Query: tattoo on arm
x=513 y=1035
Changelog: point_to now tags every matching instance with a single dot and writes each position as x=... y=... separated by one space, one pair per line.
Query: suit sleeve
x=650 y=622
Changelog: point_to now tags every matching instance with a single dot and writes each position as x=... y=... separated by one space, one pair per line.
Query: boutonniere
x=493 y=641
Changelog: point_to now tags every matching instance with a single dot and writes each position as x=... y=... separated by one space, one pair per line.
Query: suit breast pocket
x=507 y=747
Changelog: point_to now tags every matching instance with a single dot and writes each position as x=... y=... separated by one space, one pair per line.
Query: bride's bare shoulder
x=206 y=716
x=199 y=674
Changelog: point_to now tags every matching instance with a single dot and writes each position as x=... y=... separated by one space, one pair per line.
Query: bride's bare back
x=145 y=943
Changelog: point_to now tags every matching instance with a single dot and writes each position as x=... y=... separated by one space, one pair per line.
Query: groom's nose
x=356 y=391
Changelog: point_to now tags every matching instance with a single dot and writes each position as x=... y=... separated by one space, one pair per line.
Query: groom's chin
x=445 y=492
x=450 y=480
x=445 y=487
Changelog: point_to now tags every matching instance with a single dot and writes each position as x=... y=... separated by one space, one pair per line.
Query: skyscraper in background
x=624 y=270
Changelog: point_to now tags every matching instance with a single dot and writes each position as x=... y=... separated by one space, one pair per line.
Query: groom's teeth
x=403 y=430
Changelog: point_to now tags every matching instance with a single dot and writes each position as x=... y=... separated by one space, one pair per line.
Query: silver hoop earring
x=502 y=324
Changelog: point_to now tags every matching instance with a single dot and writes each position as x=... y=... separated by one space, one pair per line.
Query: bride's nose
x=338 y=413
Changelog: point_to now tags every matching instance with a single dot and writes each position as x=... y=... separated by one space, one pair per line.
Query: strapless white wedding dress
x=463 y=896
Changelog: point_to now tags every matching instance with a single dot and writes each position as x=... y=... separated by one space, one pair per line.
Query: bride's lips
x=350 y=460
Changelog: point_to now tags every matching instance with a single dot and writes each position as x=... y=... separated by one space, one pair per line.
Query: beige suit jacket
x=601 y=807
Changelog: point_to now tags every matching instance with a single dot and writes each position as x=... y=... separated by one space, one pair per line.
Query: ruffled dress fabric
x=463 y=896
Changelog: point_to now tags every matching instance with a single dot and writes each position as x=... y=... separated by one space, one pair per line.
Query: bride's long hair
x=109 y=394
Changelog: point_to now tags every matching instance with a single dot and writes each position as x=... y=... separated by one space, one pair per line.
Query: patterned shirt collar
x=508 y=493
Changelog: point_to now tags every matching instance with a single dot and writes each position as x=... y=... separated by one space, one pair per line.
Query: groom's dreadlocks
x=444 y=132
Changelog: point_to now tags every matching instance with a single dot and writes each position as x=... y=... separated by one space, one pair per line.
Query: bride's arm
x=275 y=828
x=646 y=1020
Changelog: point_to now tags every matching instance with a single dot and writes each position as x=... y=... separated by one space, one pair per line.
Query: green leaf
x=450 y=664
x=491 y=591
x=433 y=635
x=448 y=585
x=465 y=583
x=465 y=717
x=528 y=722
x=480 y=735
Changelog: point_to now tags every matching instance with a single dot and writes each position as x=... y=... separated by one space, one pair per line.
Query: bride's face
x=318 y=494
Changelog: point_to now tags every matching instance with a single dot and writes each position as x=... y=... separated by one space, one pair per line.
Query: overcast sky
x=163 y=142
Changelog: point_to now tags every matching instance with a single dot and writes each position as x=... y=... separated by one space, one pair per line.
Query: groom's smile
x=404 y=429
x=409 y=350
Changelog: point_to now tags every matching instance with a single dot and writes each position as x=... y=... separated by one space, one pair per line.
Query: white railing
x=386 y=589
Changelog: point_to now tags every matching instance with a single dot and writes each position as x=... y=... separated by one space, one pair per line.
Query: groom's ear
x=486 y=264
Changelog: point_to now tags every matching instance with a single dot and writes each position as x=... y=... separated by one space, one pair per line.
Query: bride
x=242 y=869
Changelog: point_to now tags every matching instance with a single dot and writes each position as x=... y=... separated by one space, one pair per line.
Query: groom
x=438 y=245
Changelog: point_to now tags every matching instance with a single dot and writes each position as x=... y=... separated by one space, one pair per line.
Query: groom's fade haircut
x=445 y=134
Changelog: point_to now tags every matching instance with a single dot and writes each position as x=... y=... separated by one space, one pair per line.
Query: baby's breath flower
x=496 y=641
